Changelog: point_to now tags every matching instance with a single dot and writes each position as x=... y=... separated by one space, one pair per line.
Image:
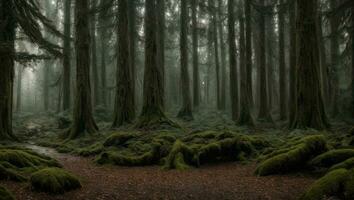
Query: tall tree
x=132 y=43
x=19 y=88
x=160 y=8
x=67 y=56
x=83 y=121
x=222 y=56
x=95 y=81
x=309 y=107
x=124 y=111
x=282 y=65
x=233 y=62
x=292 y=59
x=352 y=33
x=248 y=53
x=152 y=115
x=195 y=38
x=186 y=110
x=264 y=113
x=245 y=117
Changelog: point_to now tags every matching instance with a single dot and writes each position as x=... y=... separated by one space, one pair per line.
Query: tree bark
x=67 y=57
x=195 y=38
x=245 y=117
x=132 y=45
x=248 y=53
x=292 y=60
x=282 y=65
x=124 y=111
x=160 y=8
x=352 y=61
x=95 y=81
x=19 y=88
x=186 y=110
x=234 y=93
x=222 y=57
x=83 y=121
x=309 y=107
x=7 y=50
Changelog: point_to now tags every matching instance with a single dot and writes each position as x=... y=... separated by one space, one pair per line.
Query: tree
x=152 y=115
x=160 y=8
x=27 y=16
x=245 y=117
x=124 y=111
x=67 y=57
x=264 y=113
x=196 y=81
x=19 y=88
x=248 y=53
x=282 y=65
x=95 y=82
x=352 y=33
x=132 y=43
x=292 y=60
x=233 y=61
x=186 y=110
x=83 y=121
x=222 y=56
x=309 y=107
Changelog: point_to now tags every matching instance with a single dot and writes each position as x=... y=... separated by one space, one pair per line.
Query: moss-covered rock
x=5 y=194
x=54 y=181
x=295 y=158
x=331 y=158
x=331 y=184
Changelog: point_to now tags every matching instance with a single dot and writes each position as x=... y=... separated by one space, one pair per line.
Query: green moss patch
x=54 y=181
x=339 y=183
x=5 y=194
x=347 y=164
x=293 y=158
x=331 y=158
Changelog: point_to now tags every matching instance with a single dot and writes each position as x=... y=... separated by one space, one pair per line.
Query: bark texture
x=195 y=38
x=67 y=56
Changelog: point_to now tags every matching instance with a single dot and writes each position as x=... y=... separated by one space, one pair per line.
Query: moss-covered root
x=181 y=157
x=5 y=194
x=7 y=172
x=117 y=139
x=295 y=158
x=54 y=181
x=332 y=184
x=349 y=186
x=347 y=164
x=26 y=158
x=331 y=158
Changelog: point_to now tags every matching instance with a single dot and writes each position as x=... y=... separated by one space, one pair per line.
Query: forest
x=177 y=99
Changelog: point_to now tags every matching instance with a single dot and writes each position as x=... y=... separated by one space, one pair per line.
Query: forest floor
x=227 y=180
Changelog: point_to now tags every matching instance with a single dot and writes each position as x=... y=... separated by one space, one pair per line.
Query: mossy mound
x=5 y=194
x=117 y=139
x=331 y=158
x=8 y=172
x=180 y=157
x=337 y=183
x=347 y=164
x=54 y=181
x=293 y=158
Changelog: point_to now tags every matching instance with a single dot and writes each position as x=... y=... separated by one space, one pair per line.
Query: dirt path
x=224 y=181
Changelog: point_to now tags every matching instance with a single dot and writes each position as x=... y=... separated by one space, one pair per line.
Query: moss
x=117 y=139
x=54 y=181
x=91 y=150
x=8 y=173
x=347 y=164
x=296 y=158
x=349 y=186
x=180 y=157
x=331 y=158
x=5 y=194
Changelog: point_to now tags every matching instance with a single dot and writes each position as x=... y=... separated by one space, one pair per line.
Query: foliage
x=333 y=157
x=5 y=194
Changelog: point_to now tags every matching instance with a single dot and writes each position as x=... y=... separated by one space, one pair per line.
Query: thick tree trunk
x=292 y=60
x=152 y=115
x=264 y=113
x=248 y=53
x=124 y=111
x=83 y=121
x=95 y=81
x=104 y=21
x=132 y=45
x=234 y=93
x=186 y=110
x=309 y=107
x=270 y=51
x=67 y=56
x=334 y=24
x=352 y=61
x=160 y=8
x=282 y=65
x=195 y=38
x=245 y=117
x=222 y=56
x=7 y=50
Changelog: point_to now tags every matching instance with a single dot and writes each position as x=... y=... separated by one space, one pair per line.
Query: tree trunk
x=95 y=81
x=264 y=113
x=248 y=53
x=353 y=60
x=245 y=117
x=46 y=74
x=83 y=121
x=233 y=62
x=67 y=57
x=132 y=45
x=334 y=23
x=160 y=8
x=7 y=50
x=152 y=115
x=104 y=21
x=270 y=51
x=124 y=111
x=19 y=88
x=292 y=60
x=186 y=110
x=282 y=65
x=196 y=82
x=309 y=107
x=222 y=57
